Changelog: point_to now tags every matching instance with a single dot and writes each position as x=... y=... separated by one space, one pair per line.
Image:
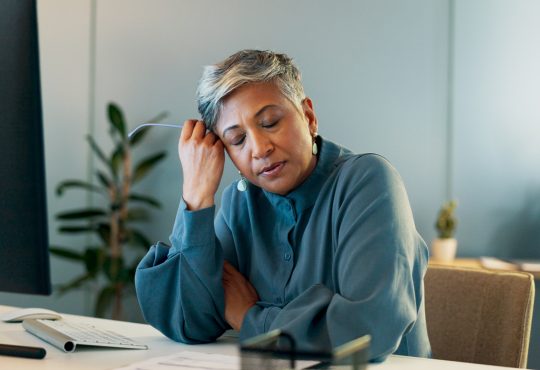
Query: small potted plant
x=443 y=248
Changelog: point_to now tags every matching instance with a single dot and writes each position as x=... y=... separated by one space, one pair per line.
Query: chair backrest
x=478 y=315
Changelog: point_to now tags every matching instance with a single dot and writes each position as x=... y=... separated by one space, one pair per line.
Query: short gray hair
x=246 y=66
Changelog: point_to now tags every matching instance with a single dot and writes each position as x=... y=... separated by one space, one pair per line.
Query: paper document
x=511 y=264
x=188 y=360
x=497 y=264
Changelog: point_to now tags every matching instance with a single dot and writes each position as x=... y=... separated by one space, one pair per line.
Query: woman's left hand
x=240 y=296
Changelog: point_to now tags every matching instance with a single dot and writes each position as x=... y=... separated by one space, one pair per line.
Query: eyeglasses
x=277 y=350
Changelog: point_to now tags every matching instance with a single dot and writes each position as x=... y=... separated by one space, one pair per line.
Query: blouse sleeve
x=379 y=263
x=179 y=288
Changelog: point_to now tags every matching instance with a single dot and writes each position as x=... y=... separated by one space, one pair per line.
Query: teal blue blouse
x=337 y=258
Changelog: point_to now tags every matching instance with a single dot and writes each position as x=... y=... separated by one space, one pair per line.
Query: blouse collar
x=305 y=195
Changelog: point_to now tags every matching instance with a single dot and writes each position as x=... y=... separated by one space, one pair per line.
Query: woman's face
x=267 y=138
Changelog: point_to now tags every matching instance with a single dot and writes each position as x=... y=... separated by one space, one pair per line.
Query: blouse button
x=287 y=256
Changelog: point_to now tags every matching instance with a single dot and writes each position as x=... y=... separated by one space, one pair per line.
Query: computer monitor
x=24 y=247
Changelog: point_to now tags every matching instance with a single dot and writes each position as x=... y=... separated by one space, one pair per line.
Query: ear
x=309 y=114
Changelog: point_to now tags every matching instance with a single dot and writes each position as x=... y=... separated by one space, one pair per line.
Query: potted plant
x=443 y=248
x=108 y=266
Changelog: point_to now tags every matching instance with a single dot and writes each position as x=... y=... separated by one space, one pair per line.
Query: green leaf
x=139 y=239
x=139 y=135
x=104 y=231
x=93 y=260
x=76 y=184
x=145 y=199
x=116 y=159
x=97 y=150
x=103 y=179
x=123 y=276
x=146 y=165
x=76 y=229
x=104 y=300
x=116 y=118
x=137 y=214
x=65 y=253
x=132 y=270
x=81 y=213
x=73 y=284
x=159 y=117
x=113 y=268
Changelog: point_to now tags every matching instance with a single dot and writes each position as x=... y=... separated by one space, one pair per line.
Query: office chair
x=477 y=315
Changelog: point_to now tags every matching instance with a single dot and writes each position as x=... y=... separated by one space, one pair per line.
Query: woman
x=312 y=239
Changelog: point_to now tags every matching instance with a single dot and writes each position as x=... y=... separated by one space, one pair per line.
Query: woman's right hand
x=203 y=158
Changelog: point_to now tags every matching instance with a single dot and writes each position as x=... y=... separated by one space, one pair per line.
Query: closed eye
x=238 y=140
x=269 y=125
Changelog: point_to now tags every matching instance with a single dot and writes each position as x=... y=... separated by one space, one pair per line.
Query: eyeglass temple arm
x=138 y=128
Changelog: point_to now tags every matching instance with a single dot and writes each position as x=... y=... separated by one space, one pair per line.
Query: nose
x=261 y=145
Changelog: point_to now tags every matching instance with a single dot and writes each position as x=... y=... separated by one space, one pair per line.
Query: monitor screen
x=24 y=255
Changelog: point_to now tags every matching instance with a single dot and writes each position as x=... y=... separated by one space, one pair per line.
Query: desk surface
x=159 y=345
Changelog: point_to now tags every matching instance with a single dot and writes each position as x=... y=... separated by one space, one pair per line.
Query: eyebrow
x=259 y=112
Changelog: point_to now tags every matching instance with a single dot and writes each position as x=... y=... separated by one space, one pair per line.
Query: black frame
x=24 y=245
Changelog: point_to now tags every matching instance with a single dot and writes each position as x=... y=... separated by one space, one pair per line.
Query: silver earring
x=242 y=183
x=314 y=148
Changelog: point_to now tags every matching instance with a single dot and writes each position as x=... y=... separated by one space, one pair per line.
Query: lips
x=273 y=169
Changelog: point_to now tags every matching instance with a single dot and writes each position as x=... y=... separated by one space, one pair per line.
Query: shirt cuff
x=193 y=228
x=257 y=321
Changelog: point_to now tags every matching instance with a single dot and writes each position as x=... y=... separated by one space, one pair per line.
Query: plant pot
x=443 y=250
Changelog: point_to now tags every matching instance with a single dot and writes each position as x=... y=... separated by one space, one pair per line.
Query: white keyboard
x=67 y=335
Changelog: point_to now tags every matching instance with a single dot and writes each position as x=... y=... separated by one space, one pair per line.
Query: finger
x=210 y=138
x=234 y=275
x=219 y=144
x=199 y=130
x=229 y=288
x=187 y=130
x=227 y=274
x=228 y=278
x=227 y=266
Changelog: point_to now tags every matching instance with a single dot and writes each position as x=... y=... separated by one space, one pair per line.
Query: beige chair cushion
x=478 y=315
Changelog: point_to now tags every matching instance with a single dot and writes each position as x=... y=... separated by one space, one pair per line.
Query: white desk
x=159 y=345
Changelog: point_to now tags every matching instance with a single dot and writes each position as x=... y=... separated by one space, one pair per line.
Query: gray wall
x=449 y=92
x=496 y=121
x=375 y=70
